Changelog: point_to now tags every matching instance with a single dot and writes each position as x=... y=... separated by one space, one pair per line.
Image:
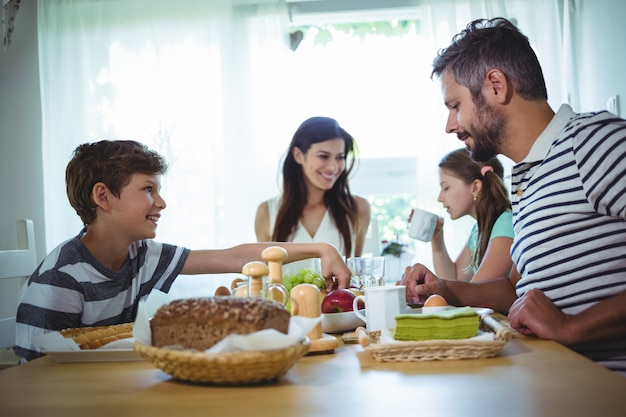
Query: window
x=214 y=86
x=374 y=77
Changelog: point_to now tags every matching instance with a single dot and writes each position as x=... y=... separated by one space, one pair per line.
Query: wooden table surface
x=529 y=377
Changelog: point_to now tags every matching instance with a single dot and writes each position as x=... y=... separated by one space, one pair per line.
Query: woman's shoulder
x=361 y=203
x=362 y=207
x=263 y=206
x=363 y=210
x=271 y=204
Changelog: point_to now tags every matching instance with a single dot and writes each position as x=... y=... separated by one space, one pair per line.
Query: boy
x=98 y=277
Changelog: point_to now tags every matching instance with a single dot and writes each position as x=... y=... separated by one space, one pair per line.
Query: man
x=568 y=194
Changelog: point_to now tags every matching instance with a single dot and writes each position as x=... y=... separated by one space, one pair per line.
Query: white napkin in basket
x=54 y=341
x=267 y=339
x=145 y=310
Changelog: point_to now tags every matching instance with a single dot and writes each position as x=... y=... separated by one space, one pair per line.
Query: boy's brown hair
x=110 y=162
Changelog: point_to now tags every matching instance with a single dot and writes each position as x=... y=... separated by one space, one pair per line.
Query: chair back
x=15 y=268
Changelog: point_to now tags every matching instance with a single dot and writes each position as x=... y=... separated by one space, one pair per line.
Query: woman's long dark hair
x=492 y=200
x=338 y=200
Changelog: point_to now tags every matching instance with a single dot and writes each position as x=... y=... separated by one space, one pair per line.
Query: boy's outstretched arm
x=233 y=259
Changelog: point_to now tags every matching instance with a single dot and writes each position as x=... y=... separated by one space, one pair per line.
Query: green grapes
x=304 y=276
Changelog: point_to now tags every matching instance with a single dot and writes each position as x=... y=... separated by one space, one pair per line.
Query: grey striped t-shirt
x=72 y=289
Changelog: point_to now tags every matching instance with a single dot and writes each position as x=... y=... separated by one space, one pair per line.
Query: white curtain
x=193 y=79
x=569 y=74
x=214 y=87
x=540 y=20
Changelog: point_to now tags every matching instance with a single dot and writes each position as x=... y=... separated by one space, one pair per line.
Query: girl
x=477 y=190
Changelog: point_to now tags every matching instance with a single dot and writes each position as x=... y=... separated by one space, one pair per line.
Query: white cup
x=382 y=305
x=367 y=271
x=422 y=225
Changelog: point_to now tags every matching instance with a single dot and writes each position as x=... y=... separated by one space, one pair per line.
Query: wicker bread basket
x=429 y=350
x=234 y=368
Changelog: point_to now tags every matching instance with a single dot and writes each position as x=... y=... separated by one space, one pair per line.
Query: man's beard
x=487 y=132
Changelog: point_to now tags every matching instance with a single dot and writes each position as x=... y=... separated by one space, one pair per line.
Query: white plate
x=94 y=355
x=341 y=322
x=435 y=309
x=481 y=311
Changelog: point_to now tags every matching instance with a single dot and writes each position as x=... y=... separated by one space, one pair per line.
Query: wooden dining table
x=528 y=377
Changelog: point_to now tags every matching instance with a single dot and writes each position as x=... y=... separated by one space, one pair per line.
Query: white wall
x=600 y=58
x=21 y=176
x=601 y=52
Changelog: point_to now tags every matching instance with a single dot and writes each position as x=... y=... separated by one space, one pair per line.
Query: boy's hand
x=334 y=269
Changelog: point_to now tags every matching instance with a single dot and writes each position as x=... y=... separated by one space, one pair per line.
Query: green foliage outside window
x=392 y=213
x=324 y=34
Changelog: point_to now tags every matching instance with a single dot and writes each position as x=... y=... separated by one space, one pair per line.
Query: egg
x=435 y=301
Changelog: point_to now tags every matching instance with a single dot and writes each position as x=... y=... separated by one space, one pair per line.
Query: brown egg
x=435 y=301
x=235 y=283
x=222 y=291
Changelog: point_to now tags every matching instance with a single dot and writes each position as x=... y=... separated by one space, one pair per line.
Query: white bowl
x=341 y=322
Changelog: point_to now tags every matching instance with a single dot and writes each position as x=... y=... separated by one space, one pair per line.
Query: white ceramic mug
x=422 y=225
x=382 y=305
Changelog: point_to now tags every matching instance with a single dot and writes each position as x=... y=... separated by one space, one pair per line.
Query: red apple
x=338 y=301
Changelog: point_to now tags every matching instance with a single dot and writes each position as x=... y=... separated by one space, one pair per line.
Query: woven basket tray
x=236 y=368
x=429 y=350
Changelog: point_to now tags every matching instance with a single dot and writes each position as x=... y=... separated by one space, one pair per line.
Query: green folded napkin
x=456 y=323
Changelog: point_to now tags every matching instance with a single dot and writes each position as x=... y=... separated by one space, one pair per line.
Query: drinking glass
x=367 y=271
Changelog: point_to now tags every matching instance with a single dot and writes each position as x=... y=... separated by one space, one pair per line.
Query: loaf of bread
x=199 y=323
x=98 y=336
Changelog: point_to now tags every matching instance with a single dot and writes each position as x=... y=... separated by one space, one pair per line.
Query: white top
x=326 y=232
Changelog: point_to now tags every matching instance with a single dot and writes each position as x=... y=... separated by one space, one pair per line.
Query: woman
x=316 y=204
x=469 y=188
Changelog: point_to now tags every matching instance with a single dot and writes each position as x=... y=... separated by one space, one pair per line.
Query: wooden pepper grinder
x=256 y=271
x=274 y=256
x=305 y=302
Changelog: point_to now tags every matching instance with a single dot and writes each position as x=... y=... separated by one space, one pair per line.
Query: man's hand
x=533 y=314
x=420 y=283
